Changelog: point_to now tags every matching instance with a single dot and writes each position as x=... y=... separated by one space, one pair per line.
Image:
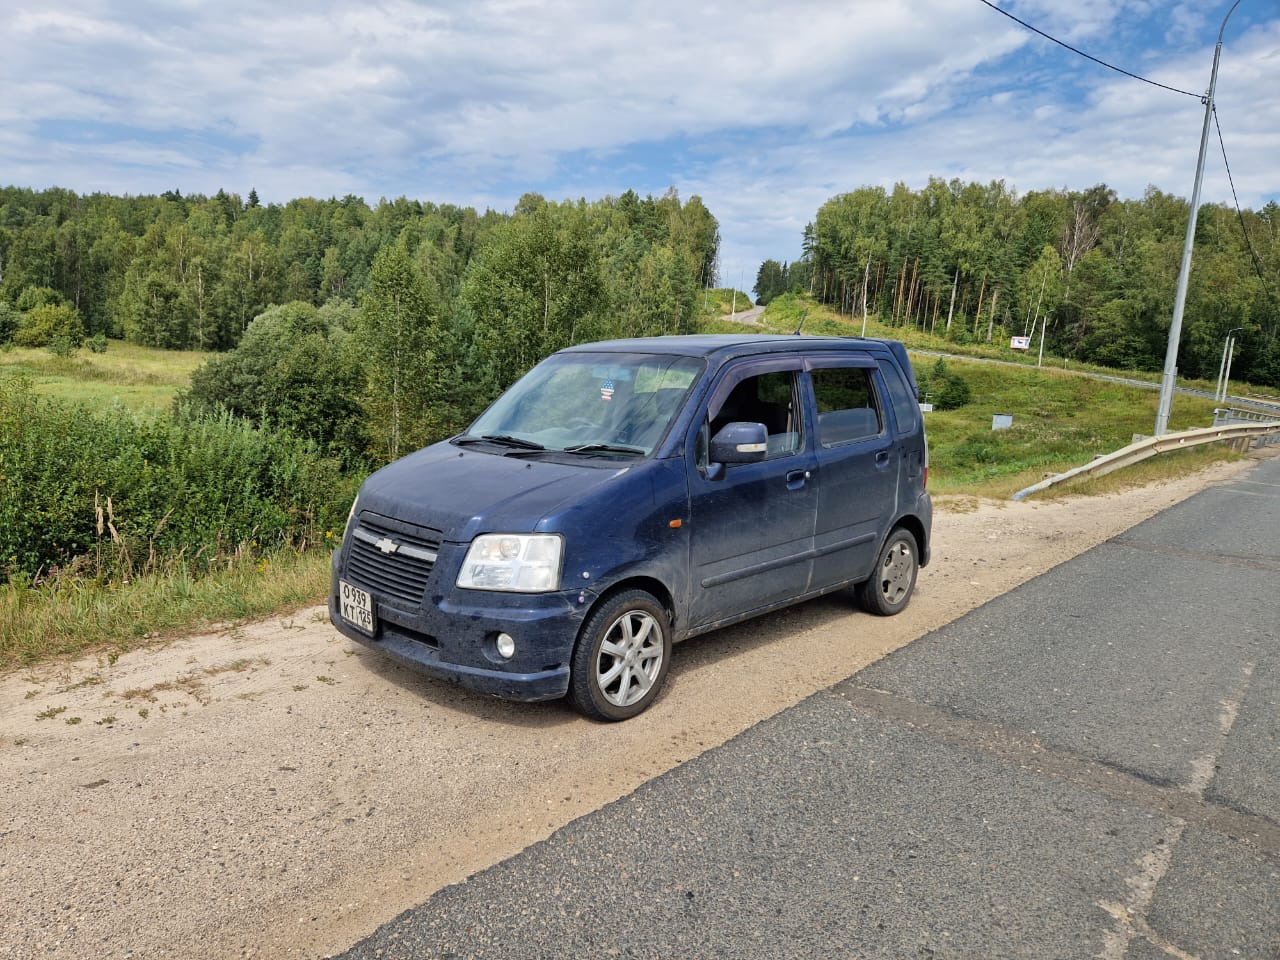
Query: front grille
x=391 y=562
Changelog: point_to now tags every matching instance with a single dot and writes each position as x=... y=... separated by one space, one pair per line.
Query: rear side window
x=847 y=407
x=905 y=406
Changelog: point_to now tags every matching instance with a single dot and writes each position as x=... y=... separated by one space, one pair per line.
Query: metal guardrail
x=1140 y=450
x=1223 y=416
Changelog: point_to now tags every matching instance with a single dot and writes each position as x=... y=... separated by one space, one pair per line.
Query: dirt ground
x=275 y=790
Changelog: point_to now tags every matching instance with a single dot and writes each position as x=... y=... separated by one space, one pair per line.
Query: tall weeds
x=107 y=497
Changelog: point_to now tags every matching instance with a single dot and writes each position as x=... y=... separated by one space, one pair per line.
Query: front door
x=751 y=527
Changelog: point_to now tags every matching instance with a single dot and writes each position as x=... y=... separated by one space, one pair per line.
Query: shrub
x=97 y=343
x=944 y=389
x=50 y=324
x=294 y=368
x=109 y=495
x=61 y=346
x=955 y=393
x=8 y=322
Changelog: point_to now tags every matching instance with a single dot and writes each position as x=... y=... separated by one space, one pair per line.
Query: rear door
x=857 y=464
x=751 y=528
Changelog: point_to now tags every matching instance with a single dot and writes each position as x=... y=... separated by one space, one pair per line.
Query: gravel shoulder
x=274 y=790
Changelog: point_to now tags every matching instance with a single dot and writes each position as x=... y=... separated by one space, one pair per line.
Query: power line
x=1257 y=264
x=1109 y=66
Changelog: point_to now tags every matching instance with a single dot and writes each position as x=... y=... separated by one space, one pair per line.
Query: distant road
x=751 y=316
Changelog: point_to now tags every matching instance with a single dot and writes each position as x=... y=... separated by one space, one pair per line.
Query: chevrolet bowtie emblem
x=387 y=545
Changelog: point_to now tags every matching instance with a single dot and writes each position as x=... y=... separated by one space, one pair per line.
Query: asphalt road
x=1088 y=766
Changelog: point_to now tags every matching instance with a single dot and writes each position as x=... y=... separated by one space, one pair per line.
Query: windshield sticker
x=606 y=389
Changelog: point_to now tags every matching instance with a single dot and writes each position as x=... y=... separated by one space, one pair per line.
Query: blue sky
x=763 y=109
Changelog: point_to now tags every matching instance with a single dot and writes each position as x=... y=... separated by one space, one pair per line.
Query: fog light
x=506 y=645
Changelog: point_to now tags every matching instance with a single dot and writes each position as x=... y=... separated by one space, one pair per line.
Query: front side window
x=610 y=404
x=847 y=407
x=769 y=398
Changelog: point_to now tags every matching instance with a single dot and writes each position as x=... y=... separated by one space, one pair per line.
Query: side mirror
x=740 y=443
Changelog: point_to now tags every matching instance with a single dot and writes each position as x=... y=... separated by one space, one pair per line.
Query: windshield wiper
x=506 y=440
x=589 y=448
x=502 y=440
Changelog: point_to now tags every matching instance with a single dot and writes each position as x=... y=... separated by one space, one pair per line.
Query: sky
x=765 y=110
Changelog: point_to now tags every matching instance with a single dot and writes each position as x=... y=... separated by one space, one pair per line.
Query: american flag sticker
x=606 y=389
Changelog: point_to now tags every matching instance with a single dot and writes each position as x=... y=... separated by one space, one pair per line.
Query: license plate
x=356 y=607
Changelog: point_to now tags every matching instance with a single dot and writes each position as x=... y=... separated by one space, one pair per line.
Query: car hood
x=463 y=492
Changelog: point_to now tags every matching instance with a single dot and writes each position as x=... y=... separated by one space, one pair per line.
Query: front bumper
x=450 y=637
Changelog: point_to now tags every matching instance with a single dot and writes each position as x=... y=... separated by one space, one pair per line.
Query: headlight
x=513 y=562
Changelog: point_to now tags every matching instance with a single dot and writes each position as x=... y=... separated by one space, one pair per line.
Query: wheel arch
x=654 y=587
x=914 y=526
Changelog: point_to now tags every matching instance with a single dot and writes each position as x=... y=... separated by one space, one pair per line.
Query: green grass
x=142 y=379
x=71 y=615
x=722 y=302
x=74 y=617
x=1060 y=421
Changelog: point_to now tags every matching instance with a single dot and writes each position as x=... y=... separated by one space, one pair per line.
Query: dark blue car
x=626 y=495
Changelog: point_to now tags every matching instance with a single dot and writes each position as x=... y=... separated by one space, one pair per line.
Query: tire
x=888 y=590
x=621 y=658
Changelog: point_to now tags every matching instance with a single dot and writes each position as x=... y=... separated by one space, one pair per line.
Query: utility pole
x=1168 y=381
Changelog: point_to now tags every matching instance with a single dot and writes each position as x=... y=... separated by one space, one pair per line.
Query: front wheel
x=621 y=657
x=888 y=589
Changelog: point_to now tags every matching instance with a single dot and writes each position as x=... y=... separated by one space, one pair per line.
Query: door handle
x=796 y=478
x=882 y=457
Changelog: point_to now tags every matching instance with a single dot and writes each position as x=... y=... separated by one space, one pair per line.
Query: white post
x=1220 y=392
x=1226 y=377
x=866 y=275
x=1222 y=365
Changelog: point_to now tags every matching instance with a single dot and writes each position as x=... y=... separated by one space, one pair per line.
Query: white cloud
x=763 y=109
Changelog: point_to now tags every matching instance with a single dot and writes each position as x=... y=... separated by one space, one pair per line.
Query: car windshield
x=615 y=405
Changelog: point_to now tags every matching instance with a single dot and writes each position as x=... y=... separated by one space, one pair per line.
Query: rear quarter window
x=906 y=407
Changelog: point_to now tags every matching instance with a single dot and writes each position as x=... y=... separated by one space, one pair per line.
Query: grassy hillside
x=783 y=314
x=143 y=379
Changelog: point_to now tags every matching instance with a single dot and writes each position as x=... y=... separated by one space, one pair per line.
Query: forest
x=978 y=263
x=413 y=315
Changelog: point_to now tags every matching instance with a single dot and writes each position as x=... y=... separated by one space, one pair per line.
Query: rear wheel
x=888 y=590
x=621 y=658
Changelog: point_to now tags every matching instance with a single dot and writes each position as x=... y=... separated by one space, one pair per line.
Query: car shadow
x=688 y=657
